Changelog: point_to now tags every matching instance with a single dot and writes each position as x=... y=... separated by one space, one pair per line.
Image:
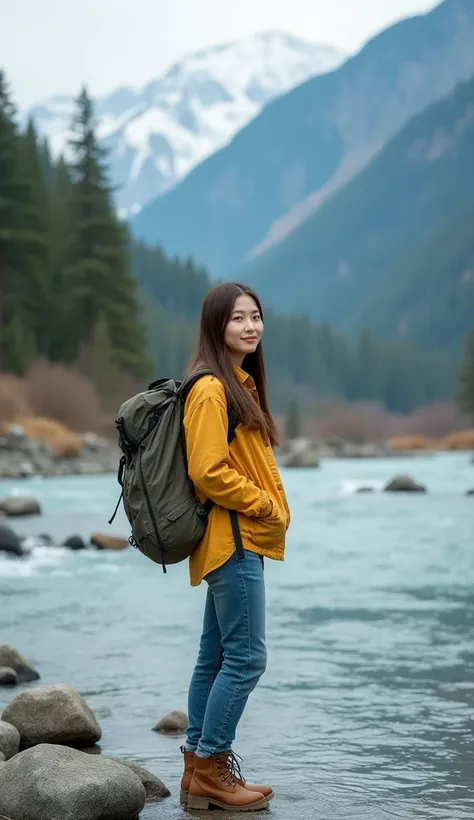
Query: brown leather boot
x=187 y=774
x=234 y=765
x=214 y=784
x=267 y=791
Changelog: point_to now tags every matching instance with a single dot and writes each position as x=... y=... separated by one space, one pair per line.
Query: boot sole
x=184 y=797
x=205 y=803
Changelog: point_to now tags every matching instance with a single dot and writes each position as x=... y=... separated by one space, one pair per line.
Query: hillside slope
x=428 y=296
x=336 y=258
x=328 y=126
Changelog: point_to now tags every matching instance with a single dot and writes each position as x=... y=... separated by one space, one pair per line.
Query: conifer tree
x=21 y=242
x=98 y=270
x=292 y=419
x=466 y=380
x=39 y=295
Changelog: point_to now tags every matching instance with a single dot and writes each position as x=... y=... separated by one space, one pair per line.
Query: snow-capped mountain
x=158 y=133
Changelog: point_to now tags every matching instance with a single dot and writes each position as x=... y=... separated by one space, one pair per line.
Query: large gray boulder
x=11 y=658
x=58 y=783
x=9 y=540
x=9 y=740
x=404 y=484
x=18 y=505
x=53 y=714
x=154 y=787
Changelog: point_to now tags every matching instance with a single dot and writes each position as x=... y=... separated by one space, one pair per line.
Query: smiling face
x=244 y=329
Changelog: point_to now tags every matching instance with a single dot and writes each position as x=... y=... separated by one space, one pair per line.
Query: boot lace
x=229 y=770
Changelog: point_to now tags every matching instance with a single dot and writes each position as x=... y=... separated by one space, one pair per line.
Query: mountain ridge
x=350 y=254
x=158 y=132
x=226 y=206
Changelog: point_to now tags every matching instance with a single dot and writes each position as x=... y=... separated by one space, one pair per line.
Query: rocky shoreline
x=23 y=457
x=51 y=767
x=304 y=452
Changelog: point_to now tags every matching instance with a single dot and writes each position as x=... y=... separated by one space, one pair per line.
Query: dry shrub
x=13 y=399
x=461 y=440
x=62 y=442
x=59 y=392
x=361 y=422
x=67 y=445
x=434 y=421
x=357 y=422
x=413 y=443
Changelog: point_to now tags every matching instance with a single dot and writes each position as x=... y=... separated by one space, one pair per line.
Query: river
x=366 y=709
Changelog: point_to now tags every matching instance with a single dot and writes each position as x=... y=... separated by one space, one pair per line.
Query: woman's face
x=244 y=329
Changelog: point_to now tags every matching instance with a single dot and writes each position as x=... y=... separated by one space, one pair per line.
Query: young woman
x=242 y=476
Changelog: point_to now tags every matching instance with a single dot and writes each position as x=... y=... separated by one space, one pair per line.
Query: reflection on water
x=366 y=710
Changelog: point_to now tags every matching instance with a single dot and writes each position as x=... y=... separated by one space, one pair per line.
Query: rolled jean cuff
x=190 y=747
x=202 y=754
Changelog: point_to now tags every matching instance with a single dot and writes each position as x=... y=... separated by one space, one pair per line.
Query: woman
x=242 y=476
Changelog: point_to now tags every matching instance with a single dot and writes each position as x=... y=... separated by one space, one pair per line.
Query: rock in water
x=404 y=484
x=8 y=676
x=9 y=740
x=9 y=541
x=108 y=542
x=58 y=783
x=10 y=657
x=16 y=506
x=75 y=542
x=174 y=723
x=2 y=760
x=53 y=714
x=155 y=789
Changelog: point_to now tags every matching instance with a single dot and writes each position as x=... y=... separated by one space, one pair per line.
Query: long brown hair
x=212 y=352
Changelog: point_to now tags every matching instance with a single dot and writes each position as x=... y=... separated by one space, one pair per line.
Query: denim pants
x=232 y=654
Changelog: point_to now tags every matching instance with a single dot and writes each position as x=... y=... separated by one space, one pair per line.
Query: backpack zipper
x=150 y=509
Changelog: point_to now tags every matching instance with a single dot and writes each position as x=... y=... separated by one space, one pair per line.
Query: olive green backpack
x=158 y=496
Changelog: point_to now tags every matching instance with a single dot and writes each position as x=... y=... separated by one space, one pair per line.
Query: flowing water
x=366 y=710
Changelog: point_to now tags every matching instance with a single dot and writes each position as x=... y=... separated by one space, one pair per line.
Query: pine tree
x=39 y=297
x=21 y=244
x=98 y=269
x=293 y=419
x=65 y=329
x=465 y=394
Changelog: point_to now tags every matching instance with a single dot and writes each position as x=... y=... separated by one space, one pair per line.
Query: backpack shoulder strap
x=186 y=386
x=191 y=380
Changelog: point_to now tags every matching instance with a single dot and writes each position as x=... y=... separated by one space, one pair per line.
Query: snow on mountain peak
x=158 y=133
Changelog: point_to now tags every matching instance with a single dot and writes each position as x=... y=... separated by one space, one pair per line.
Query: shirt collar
x=244 y=377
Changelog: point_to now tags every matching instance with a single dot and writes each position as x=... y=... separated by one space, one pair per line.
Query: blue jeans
x=232 y=654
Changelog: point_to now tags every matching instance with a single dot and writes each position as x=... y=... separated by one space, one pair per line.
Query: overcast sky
x=52 y=46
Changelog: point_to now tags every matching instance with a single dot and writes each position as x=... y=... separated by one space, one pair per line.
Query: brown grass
x=63 y=443
x=413 y=443
x=461 y=440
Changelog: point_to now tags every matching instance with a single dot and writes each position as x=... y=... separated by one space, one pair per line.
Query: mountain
x=308 y=142
x=428 y=296
x=158 y=133
x=363 y=239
